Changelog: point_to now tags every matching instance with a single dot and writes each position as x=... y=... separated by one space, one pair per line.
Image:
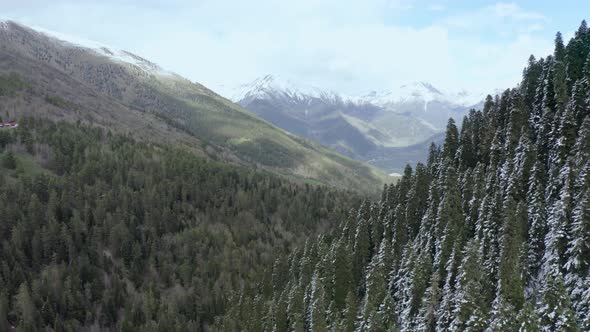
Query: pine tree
x=537 y=224
x=417 y=200
x=581 y=151
x=530 y=78
x=280 y=313
x=470 y=313
x=446 y=308
x=510 y=283
x=362 y=247
x=400 y=235
x=559 y=223
x=450 y=223
x=451 y=140
x=528 y=319
x=27 y=312
x=556 y=308
x=427 y=317
x=376 y=283
x=566 y=135
x=560 y=86
x=317 y=311
x=350 y=313
x=583 y=307
x=3 y=311
x=386 y=319
x=578 y=252
x=503 y=316
x=467 y=150
x=341 y=276
x=412 y=283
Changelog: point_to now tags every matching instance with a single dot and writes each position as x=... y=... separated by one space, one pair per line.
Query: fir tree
x=510 y=283
x=427 y=317
x=451 y=140
x=528 y=319
x=537 y=223
x=556 y=308
x=27 y=312
x=317 y=310
x=376 y=283
x=503 y=316
x=341 y=276
x=350 y=313
x=450 y=223
x=3 y=311
x=578 y=252
x=558 y=223
x=446 y=308
x=470 y=312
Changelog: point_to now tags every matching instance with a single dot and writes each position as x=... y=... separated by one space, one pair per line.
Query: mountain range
x=77 y=80
x=387 y=128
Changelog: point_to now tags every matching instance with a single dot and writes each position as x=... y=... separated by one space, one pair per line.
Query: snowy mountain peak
x=421 y=92
x=422 y=87
x=271 y=86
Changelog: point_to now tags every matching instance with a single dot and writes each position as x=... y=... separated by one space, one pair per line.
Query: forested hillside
x=493 y=233
x=99 y=231
x=116 y=89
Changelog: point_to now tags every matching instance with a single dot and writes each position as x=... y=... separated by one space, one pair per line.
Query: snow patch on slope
x=113 y=54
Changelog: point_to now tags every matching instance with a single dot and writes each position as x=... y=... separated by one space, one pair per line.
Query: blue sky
x=347 y=46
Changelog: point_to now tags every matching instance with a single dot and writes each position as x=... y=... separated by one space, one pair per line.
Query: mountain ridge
x=220 y=128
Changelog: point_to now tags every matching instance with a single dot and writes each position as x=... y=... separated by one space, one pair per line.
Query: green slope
x=187 y=111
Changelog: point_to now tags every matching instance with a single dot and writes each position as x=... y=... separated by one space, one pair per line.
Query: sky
x=347 y=46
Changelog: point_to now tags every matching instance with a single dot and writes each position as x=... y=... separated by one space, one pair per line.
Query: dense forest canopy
x=493 y=233
x=98 y=231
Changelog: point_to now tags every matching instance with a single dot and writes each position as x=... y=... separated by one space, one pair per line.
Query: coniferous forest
x=101 y=232
x=105 y=231
x=491 y=234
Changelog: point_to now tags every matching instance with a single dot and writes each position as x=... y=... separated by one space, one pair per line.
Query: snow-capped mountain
x=272 y=87
x=416 y=93
x=373 y=127
x=422 y=92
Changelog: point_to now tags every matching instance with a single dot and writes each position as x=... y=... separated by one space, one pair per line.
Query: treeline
x=492 y=234
x=105 y=233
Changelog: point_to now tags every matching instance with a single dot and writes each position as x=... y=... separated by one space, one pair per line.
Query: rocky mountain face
x=120 y=90
x=388 y=128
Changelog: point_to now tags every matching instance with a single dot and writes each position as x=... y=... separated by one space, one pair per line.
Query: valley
x=386 y=129
x=133 y=198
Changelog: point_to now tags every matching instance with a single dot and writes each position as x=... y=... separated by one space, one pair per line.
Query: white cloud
x=436 y=7
x=497 y=17
x=514 y=11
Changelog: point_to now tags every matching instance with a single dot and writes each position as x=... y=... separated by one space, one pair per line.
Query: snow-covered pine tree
x=556 y=309
x=470 y=303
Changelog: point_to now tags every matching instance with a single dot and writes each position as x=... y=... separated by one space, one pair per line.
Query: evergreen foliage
x=493 y=234
x=115 y=234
